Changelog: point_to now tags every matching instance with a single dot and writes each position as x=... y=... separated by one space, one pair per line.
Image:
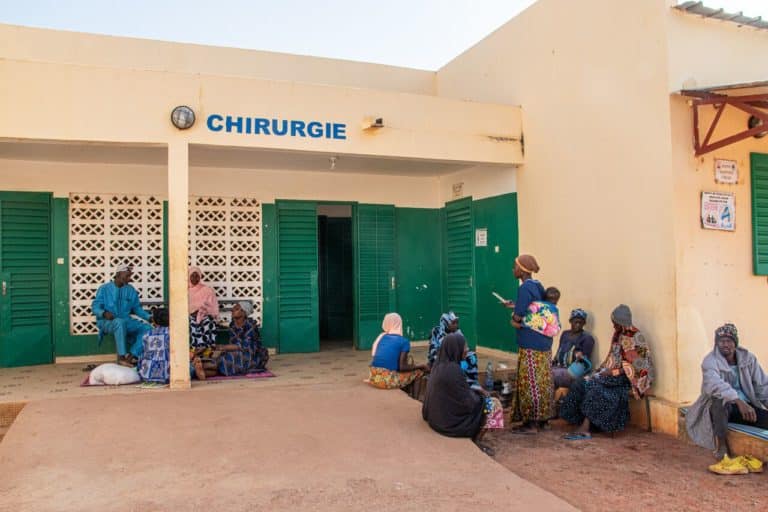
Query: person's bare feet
x=199 y=370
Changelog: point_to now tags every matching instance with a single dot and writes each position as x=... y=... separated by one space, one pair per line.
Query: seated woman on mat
x=244 y=353
x=390 y=367
x=602 y=400
x=452 y=407
x=203 y=311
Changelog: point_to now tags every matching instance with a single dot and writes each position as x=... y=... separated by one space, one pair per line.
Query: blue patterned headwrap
x=578 y=313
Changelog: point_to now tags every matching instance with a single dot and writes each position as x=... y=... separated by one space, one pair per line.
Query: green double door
x=373 y=239
x=25 y=279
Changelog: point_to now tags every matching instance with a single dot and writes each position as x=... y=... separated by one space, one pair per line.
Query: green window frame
x=759 y=183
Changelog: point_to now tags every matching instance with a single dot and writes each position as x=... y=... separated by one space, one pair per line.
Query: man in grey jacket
x=734 y=389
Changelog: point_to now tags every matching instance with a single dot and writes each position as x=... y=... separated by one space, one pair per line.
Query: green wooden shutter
x=375 y=242
x=25 y=270
x=460 y=265
x=760 y=213
x=297 y=276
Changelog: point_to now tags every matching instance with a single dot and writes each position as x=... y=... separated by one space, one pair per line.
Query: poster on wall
x=718 y=211
x=726 y=171
x=481 y=237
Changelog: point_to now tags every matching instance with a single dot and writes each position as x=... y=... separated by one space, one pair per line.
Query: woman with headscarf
x=576 y=346
x=244 y=353
x=390 y=366
x=602 y=400
x=451 y=407
x=449 y=323
x=203 y=312
x=534 y=398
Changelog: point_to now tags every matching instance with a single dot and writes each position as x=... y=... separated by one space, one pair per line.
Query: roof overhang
x=699 y=9
x=751 y=98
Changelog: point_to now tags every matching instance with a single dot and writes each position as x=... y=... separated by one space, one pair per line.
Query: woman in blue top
x=534 y=358
x=390 y=367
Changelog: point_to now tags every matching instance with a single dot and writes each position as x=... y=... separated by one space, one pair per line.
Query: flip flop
x=486 y=449
x=524 y=431
x=577 y=436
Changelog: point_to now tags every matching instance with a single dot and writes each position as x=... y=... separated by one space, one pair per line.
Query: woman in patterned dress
x=244 y=353
x=602 y=400
x=535 y=394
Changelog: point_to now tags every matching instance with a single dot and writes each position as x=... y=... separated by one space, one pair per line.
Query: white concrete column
x=178 y=221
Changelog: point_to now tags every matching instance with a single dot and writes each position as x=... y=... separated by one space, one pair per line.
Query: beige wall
x=715 y=283
x=61 y=178
x=479 y=182
x=705 y=53
x=595 y=195
x=67 y=102
x=41 y=45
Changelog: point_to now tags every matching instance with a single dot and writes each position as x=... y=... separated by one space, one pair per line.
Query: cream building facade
x=566 y=127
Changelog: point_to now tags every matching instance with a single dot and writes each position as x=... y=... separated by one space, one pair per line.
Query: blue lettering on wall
x=276 y=127
x=212 y=120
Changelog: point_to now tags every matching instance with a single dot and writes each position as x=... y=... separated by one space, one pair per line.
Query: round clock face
x=754 y=121
x=183 y=117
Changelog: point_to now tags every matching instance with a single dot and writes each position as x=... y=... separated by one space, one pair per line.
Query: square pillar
x=178 y=222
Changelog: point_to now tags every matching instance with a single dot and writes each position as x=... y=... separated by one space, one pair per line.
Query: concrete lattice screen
x=107 y=230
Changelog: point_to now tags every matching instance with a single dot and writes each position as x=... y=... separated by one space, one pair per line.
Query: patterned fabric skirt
x=534 y=386
x=245 y=360
x=603 y=400
x=389 y=379
x=202 y=334
x=494 y=413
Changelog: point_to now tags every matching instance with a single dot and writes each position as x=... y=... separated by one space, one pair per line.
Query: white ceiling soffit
x=222 y=157
x=698 y=8
x=251 y=158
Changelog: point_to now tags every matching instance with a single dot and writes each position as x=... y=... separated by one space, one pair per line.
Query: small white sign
x=458 y=190
x=481 y=237
x=718 y=211
x=726 y=171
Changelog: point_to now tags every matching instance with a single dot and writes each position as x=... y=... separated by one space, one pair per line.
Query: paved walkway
x=305 y=447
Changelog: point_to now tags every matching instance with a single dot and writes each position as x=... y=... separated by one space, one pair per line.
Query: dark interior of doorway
x=335 y=275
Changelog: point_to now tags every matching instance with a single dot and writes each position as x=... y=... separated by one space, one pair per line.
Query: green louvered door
x=25 y=271
x=298 y=310
x=759 y=180
x=375 y=264
x=460 y=265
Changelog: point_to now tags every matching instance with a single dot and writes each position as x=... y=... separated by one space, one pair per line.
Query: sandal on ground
x=125 y=361
x=486 y=449
x=524 y=431
x=578 y=436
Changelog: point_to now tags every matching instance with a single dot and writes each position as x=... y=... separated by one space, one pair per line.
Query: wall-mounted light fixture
x=332 y=161
x=372 y=122
x=183 y=117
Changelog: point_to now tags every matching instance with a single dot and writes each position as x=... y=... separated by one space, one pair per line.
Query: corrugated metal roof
x=700 y=9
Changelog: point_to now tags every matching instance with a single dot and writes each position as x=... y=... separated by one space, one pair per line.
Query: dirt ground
x=318 y=447
x=634 y=470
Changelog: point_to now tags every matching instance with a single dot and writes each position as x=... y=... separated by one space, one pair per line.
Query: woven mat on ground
x=254 y=375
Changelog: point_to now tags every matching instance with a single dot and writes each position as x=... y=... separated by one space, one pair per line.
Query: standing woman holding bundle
x=535 y=400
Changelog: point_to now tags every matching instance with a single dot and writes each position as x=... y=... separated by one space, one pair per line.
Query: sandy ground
x=299 y=448
x=634 y=470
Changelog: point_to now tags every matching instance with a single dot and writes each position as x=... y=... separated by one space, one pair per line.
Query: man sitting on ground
x=734 y=389
x=114 y=303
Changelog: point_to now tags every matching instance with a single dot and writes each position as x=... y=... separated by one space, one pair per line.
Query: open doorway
x=335 y=275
